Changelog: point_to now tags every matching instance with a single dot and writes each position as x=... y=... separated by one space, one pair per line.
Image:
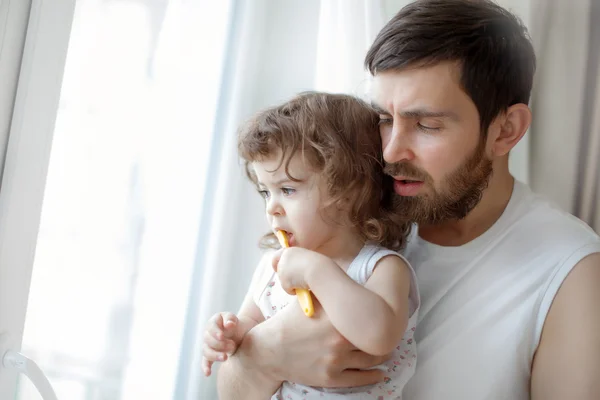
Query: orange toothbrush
x=302 y=294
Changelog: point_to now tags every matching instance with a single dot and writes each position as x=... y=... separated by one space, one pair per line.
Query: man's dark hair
x=491 y=45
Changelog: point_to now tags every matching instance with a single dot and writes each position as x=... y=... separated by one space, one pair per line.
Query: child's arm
x=249 y=314
x=372 y=317
x=225 y=331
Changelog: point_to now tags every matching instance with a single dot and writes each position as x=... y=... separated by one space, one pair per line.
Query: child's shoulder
x=377 y=252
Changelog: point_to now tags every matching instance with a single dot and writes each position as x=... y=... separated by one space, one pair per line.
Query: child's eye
x=288 y=191
x=264 y=194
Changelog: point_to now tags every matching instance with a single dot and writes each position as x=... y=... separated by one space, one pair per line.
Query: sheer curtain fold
x=565 y=133
x=587 y=196
x=557 y=97
x=346 y=30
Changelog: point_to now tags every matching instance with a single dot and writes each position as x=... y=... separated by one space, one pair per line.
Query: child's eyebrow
x=287 y=180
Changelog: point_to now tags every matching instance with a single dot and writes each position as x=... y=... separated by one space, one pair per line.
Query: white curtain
x=587 y=198
x=347 y=29
x=278 y=49
x=565 y=133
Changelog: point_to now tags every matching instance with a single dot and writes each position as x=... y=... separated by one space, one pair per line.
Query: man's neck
x=493 y=202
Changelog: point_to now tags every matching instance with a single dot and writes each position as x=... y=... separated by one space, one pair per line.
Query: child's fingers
x=215 y=326
x=230 y=322
x=224 y=346
x=213 y=355
x=206 y=366
x=276 y=258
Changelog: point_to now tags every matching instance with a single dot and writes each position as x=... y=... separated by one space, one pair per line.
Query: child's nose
x=274 y=207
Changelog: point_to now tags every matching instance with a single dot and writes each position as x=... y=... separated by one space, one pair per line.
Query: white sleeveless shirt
x=483 y=304
x=271 y=298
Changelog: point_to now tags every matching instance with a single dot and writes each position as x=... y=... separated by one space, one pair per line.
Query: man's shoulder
x=538 y=218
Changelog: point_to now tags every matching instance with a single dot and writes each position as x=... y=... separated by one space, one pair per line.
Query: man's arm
x=567 y=362
x=292 y=347
x=245 y=375
x=241 y=376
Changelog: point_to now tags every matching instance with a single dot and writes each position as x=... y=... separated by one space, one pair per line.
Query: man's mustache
x=407 y=170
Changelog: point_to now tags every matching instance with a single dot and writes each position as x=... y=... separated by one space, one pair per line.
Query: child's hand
x=293 y=266
x=221 y=339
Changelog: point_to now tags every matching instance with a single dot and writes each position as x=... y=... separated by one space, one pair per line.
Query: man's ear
x=508 y=129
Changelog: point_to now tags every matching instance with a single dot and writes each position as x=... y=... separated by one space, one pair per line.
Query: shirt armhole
x=554 y=284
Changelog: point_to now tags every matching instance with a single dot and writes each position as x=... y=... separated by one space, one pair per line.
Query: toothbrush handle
x=303 y=295
x=306 y=302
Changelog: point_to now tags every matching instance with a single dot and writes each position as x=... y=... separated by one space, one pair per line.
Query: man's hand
x=292 y=347
x=311 y=352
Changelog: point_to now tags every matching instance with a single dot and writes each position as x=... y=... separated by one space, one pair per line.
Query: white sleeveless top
x=484 y=303
x=270 y=298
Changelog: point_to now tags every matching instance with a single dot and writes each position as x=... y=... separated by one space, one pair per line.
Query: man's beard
x=461 y=190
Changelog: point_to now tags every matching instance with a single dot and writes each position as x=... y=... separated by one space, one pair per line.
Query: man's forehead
x=416 y=90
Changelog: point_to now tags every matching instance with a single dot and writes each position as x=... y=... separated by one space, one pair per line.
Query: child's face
x=295 y=207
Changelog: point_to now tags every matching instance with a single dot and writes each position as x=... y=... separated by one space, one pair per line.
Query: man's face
x=432 y=143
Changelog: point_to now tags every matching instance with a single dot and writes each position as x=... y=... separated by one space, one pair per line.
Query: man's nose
x=397 y=147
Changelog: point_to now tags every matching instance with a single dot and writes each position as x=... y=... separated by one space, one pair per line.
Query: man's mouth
x=405 y=181
x=407 y=187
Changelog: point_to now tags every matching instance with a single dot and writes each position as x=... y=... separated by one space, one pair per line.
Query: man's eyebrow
x=379 y=109
x=417 y=113
x=424 y=113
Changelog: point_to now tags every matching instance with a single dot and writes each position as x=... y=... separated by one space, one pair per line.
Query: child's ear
x=507 y=129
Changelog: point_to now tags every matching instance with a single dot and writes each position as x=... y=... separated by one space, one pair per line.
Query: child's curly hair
x=338 y=136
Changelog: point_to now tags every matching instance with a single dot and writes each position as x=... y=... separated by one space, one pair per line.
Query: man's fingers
x=224 y=346
x=352 y=378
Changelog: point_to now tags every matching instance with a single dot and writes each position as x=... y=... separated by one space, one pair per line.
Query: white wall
x=13 y=23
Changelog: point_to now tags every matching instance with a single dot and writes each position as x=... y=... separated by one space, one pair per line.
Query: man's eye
x=264 y=194
x=288 y=191
x=385 y=121
x=426 y=128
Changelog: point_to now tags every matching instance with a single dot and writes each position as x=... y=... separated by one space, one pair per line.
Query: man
x=510 y=284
